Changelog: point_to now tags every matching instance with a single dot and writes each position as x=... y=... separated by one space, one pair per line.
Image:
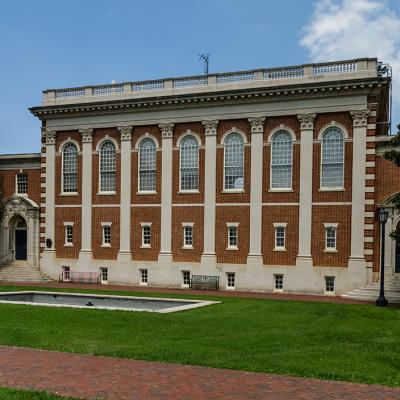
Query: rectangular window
x=106 y=235
x=280 y=233
x=329 y=284
x=232 y=237
x=143 y=276
x=230 y=280
x=22 y=183
x=66 y=273
x=185 y=278
x=330 y=238
x=278 y=281
x=146 y=235
x=69 y=237
x=188 y=236
x=104 y=274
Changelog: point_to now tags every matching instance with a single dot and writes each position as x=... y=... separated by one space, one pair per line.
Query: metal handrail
x=6 y=254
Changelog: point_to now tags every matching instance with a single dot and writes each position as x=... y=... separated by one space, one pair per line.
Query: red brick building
x=268 y=178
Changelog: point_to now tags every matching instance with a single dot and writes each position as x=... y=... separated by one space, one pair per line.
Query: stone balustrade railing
x=359 y=68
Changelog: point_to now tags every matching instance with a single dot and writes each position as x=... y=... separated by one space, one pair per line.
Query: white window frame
x=328 y=226
x=332 y=188
x=103 y=271
x=228 y=281
x=329 y=292
x=63 y=192
x=68 y=225
x=276 y=278
x=185 y=285
x=17 y=183
x=103 y=226
x=182 y=139
x=143 y=226
x=140 y=143
x=103 y=143
x=226 y=136
x=66 y=270
x=273 y=136
x=235 y=225
x=276 y=226
x=186 y=225
x=144 y=276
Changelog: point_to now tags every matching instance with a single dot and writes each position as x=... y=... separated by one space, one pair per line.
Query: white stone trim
x=106 y=223
x=370 y=176
x=333 y=124
x=233 y=130
x=370 y=151
x=368 y=226
x=279 y=204
x=66 y=141
x=105 y=139
x=145 y=224
x=369 y=201
x=234 y=224
x=191 y=224
x=68 y=223
x=280 y=224
x=188 y=133
x=331 y=225
x=370 y=164
x=332 y=203
x=281 y=127
x=368 y=251
x=147 y=136
x=368 y=239
x=369 y=189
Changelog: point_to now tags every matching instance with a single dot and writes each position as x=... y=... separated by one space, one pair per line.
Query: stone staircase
x=371 y=291
x=21 y=271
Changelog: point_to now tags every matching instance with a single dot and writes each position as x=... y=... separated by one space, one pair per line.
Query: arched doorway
x=20 y=239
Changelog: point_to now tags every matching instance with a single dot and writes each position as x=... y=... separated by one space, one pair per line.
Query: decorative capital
x=360 y=117
x=166 y=130
x=125 y=132
x=306 y=121
x=210 y=127
x=87 y=135
x=50 y=137
x=257 y=124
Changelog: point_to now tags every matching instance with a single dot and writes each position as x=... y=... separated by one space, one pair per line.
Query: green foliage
x=347 y=342
x=394 y=155
x=15 y=394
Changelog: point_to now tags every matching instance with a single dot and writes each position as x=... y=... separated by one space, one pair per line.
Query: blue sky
x=46 y=44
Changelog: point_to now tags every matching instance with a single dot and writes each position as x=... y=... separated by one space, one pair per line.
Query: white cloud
x=345 y=29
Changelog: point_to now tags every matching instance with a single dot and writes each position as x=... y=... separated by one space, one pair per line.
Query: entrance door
x=397 y=266
x=20 y=244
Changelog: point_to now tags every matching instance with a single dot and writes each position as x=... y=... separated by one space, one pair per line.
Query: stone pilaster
x=86 y=242
x=304 y=258
x=166 y=192
x=257 y=134
x=124 y=253
x=209 y=256
x=357 y=258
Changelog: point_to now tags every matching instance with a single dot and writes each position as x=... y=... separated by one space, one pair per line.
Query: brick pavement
x=91 y=377
x=222 y=293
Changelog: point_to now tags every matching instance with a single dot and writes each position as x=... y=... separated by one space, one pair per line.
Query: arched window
x=107 y=167
x=332 y=159
x=69 y=168
x=147 y=165
x=281 y=160
x=233 y=159
x=189 y=163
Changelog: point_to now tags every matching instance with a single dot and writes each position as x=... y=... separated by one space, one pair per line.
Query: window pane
x=234 y=161
x=332 y=158
x=281 y=160
x=189 y=163
x=22 y=184
x=107 y=167
x=70 y=168
x=147 y=165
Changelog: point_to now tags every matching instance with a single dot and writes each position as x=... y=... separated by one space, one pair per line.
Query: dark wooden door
x=397 y=266
x=20 y=245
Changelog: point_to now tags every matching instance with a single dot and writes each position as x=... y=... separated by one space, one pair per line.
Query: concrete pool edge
x=192 y=304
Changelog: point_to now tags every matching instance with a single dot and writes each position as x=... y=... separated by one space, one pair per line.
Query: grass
x=15 y=394
x=358 y=343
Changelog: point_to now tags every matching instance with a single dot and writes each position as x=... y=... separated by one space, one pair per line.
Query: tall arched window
x=189 y=163
x=147 y=165
x=233 y=159
x=69 y=168
x=281 y=160
x=107 y=167
x=332 y=158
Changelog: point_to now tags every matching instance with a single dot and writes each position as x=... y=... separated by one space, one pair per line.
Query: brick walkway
x=93 y=377
x=222 y=293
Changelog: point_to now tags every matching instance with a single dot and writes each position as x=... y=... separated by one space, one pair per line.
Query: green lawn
x=359 y=343
x=13 y=394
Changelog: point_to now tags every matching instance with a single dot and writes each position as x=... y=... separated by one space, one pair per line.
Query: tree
x=394 y=156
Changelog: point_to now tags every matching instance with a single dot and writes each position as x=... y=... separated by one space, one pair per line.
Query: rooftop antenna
x=206 y=60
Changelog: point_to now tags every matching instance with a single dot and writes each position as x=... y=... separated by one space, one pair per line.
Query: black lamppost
x=383 y=217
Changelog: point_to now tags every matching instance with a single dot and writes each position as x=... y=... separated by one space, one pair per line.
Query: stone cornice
x=360 y=117
x=306 y=121
x=257 y=124
x=87 y=135
x=125 y=132
x=166 y=130
x=210 y=127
